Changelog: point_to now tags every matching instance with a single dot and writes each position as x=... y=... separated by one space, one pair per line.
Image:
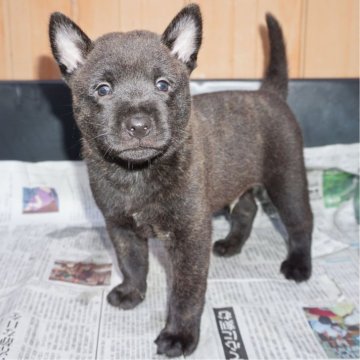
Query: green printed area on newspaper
x=338 y=186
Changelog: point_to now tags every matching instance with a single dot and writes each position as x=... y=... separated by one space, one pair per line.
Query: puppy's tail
x=276 y=76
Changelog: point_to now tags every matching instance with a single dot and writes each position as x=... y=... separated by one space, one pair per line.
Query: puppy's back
x=241 y=133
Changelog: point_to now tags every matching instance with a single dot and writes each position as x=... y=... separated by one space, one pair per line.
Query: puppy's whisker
x=108 y=151
x=104 y=134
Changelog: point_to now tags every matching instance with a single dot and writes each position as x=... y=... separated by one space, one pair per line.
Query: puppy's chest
x=144 y=203
x=147 y=223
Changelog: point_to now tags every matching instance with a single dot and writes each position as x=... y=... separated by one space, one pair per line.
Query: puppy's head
x=130 y=91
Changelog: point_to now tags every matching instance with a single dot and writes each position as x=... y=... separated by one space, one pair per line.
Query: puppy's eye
x=103 y=90
x=162 y=85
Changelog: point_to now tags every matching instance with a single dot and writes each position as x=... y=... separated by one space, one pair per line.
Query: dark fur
x=200 y=156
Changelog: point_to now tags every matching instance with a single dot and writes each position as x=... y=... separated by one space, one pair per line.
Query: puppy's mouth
x=139 y=154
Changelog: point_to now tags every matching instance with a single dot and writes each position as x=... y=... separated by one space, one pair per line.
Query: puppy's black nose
x=138 y=126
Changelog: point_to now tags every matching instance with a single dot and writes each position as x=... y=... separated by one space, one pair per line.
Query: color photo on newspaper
x=40 y=199
x=337 y=329
x=81 y=273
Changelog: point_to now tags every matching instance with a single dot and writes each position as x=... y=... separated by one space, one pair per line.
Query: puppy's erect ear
x=183 y=35
x=69 y=44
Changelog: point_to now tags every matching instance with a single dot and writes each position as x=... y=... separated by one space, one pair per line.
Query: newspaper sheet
x=58 y=265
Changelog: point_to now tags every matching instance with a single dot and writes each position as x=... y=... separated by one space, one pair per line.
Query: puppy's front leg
x=132 y=254
x=189 y=254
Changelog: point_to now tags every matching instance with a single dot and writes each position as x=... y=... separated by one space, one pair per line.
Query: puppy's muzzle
x=138 y=126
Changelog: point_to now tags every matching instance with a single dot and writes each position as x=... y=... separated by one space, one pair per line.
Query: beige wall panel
x=130 y=15
x=152 y=15
x=216 y=55
x=29 y=49
x=97 y=17
x=5 y=60
x=246 y=30
x=21 y=51
x=43 y=64
x=332 y=38
x=322 y=35
x=290 y=14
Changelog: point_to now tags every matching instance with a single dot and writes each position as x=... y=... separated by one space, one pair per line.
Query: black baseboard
x=36 y=121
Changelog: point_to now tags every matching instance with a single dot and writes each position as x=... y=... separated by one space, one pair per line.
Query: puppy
x=161 y=163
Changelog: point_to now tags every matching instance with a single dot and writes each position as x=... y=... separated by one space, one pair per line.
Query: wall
x=322 y=35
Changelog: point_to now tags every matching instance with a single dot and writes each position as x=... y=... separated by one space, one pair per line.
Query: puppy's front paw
x=125 y=297
x=174 y=345
x=297 y=268
x=226 y=248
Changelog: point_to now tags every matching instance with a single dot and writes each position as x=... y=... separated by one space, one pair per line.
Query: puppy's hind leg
x=241 y=220
x=287 y=189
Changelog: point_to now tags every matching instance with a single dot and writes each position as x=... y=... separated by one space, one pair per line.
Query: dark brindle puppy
x=160 y=162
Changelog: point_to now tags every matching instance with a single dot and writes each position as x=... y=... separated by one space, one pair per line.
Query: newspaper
x=58 y=265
